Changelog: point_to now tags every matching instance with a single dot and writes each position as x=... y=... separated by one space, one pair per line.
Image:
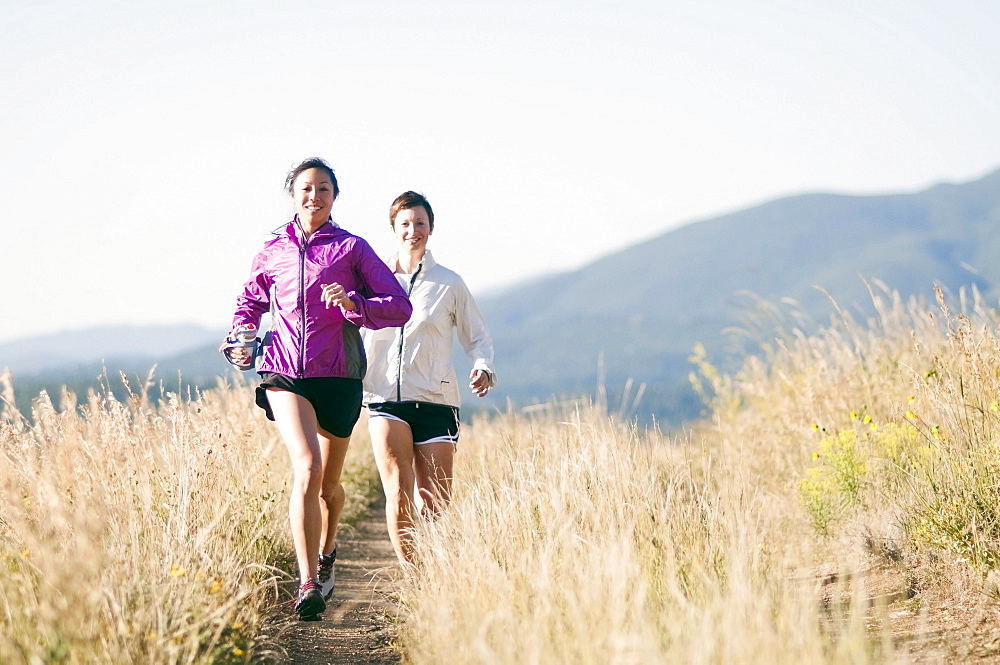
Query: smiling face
x=412 y=227
x=313 y=193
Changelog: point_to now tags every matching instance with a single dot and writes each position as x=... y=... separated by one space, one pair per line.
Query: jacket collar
x=426 y=263
x=329 y=228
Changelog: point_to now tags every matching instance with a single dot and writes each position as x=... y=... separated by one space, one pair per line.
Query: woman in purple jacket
x=320 y=284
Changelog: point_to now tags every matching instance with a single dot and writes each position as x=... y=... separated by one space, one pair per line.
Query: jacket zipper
x=399 y=355
x=302 y=308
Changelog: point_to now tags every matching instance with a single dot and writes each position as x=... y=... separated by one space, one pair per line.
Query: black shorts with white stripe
x=429 y=422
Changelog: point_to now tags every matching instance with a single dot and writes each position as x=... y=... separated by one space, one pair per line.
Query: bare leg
x=434 y=464
x=333 y=450
x=296 y=421
x=392 y=443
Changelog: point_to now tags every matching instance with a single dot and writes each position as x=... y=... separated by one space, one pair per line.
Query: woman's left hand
x=480 y=382
x=334 y=294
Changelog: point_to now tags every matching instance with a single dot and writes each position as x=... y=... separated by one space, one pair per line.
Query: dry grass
x=839 y=506
x=139 y=533
x=575 y=541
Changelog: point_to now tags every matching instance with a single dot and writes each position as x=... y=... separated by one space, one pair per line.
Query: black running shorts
x=429 y=422
x=337 y=401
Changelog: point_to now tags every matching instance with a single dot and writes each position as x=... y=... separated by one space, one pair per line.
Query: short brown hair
x=408 y=200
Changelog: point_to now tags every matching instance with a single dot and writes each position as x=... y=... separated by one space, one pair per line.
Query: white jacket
x=414 y=363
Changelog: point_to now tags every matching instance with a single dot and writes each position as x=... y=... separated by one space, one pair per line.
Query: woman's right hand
x=335 y=295
x=239 y=354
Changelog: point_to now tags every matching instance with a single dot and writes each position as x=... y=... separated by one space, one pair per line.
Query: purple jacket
x=307 y=339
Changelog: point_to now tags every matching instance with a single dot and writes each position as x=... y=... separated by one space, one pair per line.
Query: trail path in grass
x=928 y=621
x=359 y=625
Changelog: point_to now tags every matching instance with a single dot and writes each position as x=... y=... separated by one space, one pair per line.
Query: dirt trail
x=359 y=625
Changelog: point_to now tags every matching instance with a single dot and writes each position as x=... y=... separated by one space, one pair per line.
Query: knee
x=391 y=482
x=435 y=499
x=308 y=474
x=396 y=495
x=333 y=495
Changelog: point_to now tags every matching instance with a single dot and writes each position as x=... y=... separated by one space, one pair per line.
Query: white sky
x=143 y=145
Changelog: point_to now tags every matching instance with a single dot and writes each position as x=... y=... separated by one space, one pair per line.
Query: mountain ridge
x=648 y=304
x=114 y=343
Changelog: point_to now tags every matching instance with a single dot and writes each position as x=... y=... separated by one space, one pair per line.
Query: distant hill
x=82 y=359
x=636 y=314
x=643 y=309
x=70 y=350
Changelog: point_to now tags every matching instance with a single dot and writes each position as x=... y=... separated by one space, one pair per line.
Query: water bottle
x=243 y=337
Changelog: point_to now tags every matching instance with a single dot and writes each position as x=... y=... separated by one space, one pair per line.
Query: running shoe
x=326 y=573
x=309 y=602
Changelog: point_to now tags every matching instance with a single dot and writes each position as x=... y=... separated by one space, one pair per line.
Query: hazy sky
x=143 y=145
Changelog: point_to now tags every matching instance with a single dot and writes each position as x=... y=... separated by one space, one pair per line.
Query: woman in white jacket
x=411 y=389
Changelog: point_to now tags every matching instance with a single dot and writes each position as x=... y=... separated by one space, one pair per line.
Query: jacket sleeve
x=473 y=334
x=384 y=303
x=255 y=300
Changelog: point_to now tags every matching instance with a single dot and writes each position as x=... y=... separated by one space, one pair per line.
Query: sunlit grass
x=138 y=533
x=839 y=505
x=576 y=540
x=856 y=449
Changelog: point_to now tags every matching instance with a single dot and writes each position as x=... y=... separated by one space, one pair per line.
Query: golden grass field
x=139 y=533
x=837 y=504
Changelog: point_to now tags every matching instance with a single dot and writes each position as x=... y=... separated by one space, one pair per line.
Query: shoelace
x=326 y=565
x=327 y=560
